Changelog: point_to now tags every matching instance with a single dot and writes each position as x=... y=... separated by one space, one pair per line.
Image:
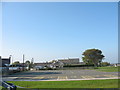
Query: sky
x=54 y=30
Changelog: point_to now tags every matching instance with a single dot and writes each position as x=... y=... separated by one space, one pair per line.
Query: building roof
x=42 y=63
x=68 y=59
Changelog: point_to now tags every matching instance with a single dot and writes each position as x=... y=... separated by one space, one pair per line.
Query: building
x=81 y=63
x=54 y=65
x=5 y=60
x=4 y=69
x=69 y=61
x=64 y=61
x=41 y=64
x=58 y=64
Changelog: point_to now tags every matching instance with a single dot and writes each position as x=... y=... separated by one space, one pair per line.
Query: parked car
x=26 y=68
x=39 y=67
x=14 y=68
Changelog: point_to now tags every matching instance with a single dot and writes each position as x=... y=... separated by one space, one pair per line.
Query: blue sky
x=47 y=31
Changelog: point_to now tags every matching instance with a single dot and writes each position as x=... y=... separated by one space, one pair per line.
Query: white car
x=39 y=67
x=14 y=68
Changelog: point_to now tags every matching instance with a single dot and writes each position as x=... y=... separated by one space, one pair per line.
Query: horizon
x=48 y=31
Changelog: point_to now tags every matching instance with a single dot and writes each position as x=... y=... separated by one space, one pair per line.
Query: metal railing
x=8 y=86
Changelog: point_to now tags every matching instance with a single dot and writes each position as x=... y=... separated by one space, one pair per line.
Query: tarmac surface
x=60 y=75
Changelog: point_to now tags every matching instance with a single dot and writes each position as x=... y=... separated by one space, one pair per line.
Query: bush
x=105 y=64
x=78 y=65
x=95 y=67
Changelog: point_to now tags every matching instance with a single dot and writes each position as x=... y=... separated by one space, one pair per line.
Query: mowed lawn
x=108 y=69
x=111 y=83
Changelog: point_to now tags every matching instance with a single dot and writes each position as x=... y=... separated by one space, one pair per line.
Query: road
x=60 y=75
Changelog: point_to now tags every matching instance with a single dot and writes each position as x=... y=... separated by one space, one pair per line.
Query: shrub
x=105 y=64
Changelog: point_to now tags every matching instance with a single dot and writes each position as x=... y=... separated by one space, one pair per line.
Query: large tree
x=93 y=56
x=28 y=63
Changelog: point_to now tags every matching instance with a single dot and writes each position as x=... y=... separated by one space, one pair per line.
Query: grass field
x=0 y=87
x=108 y=69
x=111 y=83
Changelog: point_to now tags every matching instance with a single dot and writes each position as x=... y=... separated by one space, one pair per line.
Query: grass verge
x=108 y=69
x=111 y=83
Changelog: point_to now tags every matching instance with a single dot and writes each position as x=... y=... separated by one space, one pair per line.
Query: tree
x=105 y=63
x=27 y=62
x=16 y=63
x=86 y=61
x=93 y=56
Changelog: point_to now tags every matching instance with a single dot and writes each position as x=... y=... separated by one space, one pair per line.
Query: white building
x=69 y=61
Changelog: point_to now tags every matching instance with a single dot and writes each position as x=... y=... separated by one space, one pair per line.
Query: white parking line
x=66 y=77
x=12 y=77
x=62 y=78
x=38 y=77
x=58 y=78
x=109 y=75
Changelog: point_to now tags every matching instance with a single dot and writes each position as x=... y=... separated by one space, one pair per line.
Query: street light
x=11 y=60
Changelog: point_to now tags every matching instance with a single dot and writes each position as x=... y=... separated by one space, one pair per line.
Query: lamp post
x=32 y=60
x=11 y=60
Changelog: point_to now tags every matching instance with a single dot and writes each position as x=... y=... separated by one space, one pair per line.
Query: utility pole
x=23 y=61
x=11 y=59
x=32 y=60
x=0 y=61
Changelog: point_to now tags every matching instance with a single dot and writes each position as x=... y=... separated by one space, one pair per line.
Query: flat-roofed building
x=42 y=64
x=4 y=69
x=4 y=61
x=64 y=61
x=74 y=60
x=69 y=61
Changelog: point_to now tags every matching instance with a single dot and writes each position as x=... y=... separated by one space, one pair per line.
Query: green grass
x=0 y=87
x=111 y=83
x=108 y=69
